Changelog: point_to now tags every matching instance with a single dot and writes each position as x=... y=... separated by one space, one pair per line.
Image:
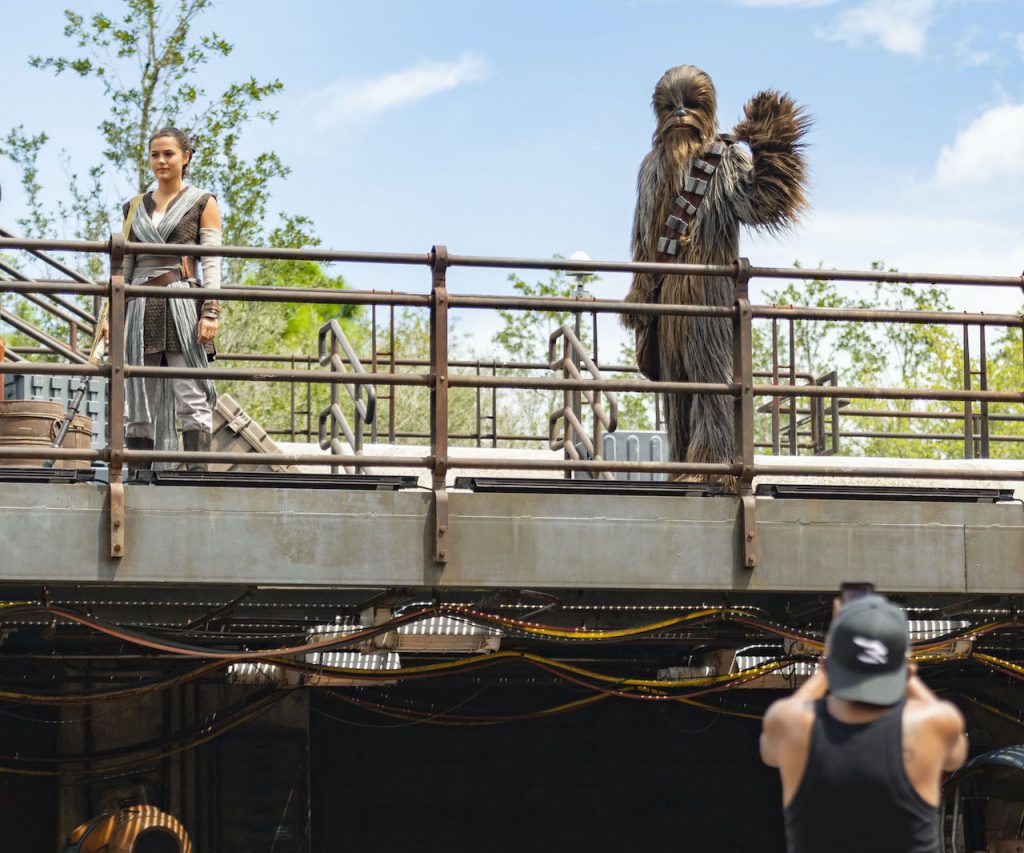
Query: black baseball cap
x=867 y=652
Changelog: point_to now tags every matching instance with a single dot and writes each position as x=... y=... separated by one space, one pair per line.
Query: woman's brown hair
x=185 y=143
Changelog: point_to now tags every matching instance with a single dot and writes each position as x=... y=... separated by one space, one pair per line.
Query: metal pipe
x=425 y=259
x=968 y=413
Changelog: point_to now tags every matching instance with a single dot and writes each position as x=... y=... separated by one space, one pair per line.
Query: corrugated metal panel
x=635 y=446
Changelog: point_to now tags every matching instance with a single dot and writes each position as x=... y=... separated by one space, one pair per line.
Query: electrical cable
x=446 y=718
x=23 y=698
x=254 y=706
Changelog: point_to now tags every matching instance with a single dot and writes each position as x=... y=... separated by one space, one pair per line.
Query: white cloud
x=991 y=147
x=785 y=4
x=359 y=99
x=900 y=26
x=969 y=54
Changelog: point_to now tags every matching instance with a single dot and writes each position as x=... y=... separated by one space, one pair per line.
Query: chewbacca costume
x=762 y=186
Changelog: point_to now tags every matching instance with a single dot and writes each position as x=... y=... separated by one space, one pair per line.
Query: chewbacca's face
x=685 y=105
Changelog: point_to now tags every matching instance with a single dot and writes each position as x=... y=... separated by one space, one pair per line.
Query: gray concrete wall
x=188 y=535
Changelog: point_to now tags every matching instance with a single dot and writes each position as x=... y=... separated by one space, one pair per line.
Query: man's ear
x=911 y=668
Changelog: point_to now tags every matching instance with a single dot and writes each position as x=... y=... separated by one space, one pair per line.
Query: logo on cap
x=873 y=651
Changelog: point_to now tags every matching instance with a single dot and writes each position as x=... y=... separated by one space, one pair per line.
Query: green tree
x=524 y=340
x=893 y=355
x=150 y=59
x=1006 y=373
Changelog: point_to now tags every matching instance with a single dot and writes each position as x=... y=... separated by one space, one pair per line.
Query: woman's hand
x=207 y=329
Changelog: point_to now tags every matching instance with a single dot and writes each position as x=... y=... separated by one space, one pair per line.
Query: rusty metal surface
x=276 y=537
x=439 y=402
x=116 y=397
x=743 y=412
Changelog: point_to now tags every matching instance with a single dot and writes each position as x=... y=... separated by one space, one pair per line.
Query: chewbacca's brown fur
x=763 y=188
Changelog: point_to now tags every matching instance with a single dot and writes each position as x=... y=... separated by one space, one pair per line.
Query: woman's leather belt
x=165 y=278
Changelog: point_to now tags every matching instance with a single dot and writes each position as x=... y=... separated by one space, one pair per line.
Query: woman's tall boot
x=135 y=442
x=196 y=441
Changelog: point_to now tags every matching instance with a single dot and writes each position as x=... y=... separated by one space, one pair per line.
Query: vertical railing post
x=568 y=405
x=494 y=406
x=743 y=409
x=335 y=400
x=776 y=402
x=983 y=385
x=373 y=362
x=392 y=363
x=116 y=394
x=968 y=405
x=439 y=399
x=794 y=429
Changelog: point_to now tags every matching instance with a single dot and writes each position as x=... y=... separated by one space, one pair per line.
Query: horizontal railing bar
x=333 y=296
x=252 y=252
x=50 y=368
x=553 y=383
x=529 y=382
x=511 y=464
x=565 y=264
x=50 y=285
x=872 y=276
x=44 y=451
x=101 y=247
x=769 y=469
x=866 y=393
x=766 y=469
x=256 y=374
x=873 y=315
x=912 y=415
x=928 y=436
x=586 y=306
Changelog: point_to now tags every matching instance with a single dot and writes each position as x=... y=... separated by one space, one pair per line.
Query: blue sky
x=516 y=128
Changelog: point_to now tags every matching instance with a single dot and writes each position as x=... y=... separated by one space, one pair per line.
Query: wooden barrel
x=35 y=423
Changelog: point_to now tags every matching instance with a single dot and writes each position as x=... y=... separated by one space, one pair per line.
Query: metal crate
x=61 y=389
x=234 y=431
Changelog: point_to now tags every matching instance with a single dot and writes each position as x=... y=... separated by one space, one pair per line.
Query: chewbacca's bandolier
x=694 y=190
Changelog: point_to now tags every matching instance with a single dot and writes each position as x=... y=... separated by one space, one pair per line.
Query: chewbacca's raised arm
x=773 y=126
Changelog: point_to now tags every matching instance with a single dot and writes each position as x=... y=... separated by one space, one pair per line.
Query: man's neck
x=854 y=712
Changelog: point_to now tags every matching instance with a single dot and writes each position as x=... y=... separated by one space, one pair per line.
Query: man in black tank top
x=862 y=745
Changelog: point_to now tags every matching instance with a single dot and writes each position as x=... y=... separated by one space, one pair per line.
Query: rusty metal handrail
x=364 y=412
x=438 y=378
x=573 y=431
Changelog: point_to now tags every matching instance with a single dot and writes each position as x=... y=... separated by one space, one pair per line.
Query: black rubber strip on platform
x=882 y=493
x=266 y=480
x=552 y=486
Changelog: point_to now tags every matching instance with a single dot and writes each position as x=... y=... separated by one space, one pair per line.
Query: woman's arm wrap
x=211 y=271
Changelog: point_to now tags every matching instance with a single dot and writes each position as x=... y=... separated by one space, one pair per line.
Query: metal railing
x=365 y=412
x=439 y=377
x=570 y=415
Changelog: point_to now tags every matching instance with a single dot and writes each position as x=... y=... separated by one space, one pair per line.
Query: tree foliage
x=149 y=59
x=886 y=355
x=524 y=340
